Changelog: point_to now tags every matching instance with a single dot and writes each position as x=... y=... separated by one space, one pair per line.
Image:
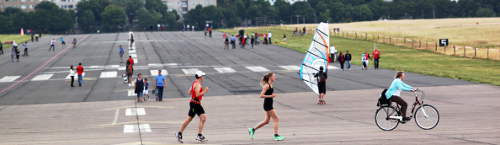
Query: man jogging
x=197 y=91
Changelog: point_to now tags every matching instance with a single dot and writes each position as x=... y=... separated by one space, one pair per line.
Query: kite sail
x=317 y=55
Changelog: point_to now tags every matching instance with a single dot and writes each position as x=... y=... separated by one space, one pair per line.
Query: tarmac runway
x=39 y=107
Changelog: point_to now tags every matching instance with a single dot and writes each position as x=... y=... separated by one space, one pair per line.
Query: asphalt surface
x=37 y=105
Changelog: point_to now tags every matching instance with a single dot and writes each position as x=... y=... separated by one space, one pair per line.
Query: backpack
x=382 y=101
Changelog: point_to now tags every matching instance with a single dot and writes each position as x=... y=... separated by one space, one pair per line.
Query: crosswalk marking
x=291 y=67
x=224 y=70
x=134 y=128
x=109 y=74
x=135 y=111
x=42 y=77
x=257 y=68
x=154 y=72
x=9 y=79
x=190 y=71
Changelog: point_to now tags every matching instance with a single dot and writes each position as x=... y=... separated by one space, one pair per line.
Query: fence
x=432 y=45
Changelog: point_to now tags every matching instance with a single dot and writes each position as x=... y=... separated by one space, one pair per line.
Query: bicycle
x=388 y=116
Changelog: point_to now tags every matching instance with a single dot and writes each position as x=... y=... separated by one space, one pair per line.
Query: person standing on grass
x=1 y=48
x=348 y=58
x=341 y=59
x=376 y=57
x=52 y=45
x=270 y=113
x=72 y=75
x=79 y=72
x=139 y=88
x=160 y=82
x=197 y=92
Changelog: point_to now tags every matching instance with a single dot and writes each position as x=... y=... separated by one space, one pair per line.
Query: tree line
x=121 y=15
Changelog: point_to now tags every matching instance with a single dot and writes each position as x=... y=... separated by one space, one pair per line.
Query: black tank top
x=268 y=101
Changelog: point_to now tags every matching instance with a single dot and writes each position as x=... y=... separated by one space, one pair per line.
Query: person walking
x=195 y=108
x=160 y=82
x=25 y=46
x=139 y=88
x=72 y=75
x=1 y=47
x=348 y=58
x=226 y=43
x=79 y=72
x=121 y=52
x=376 y=57
x=321 y=80
x=341 y=59
x=270 y=113
x=52 y=45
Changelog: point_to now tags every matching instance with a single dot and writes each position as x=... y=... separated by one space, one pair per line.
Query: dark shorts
x=195 y=109
x=322 y=88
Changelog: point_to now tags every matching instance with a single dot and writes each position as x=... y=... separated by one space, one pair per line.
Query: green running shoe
x=278 y=138
x=251 y=132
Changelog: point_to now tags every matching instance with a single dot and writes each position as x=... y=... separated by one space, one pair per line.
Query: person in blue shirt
x=393 y=93
x=160 y=82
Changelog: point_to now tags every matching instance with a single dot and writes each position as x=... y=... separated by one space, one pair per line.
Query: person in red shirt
x=197 y=91
x=79 y=72
x=376 y=57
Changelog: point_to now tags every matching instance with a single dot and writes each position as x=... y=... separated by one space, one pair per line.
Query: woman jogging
x=268 y=94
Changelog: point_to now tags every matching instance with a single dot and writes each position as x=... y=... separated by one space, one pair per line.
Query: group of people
x=245 y=39
x=345 y=59
x=197 y=91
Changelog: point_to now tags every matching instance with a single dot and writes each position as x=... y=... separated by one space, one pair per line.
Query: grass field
x=399 y=58
x=475 y=32
x=13 y=37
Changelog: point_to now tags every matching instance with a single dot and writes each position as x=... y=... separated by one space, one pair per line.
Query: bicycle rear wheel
x=426 y=117
x=384 y=118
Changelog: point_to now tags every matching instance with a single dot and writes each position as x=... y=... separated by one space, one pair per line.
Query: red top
x=79 y=70
x=376 y=54
x=131 y=61
x=194 y=99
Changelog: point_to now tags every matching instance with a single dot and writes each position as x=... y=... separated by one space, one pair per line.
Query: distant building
x=289 y=1
x=183 y=6
x=29 y=5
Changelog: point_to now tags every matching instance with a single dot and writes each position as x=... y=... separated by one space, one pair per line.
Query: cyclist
x=394 y=92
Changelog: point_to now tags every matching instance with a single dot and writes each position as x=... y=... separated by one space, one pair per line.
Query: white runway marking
x=109 y=74
x=42 y=77
x=224 y=70
x=154 y=72
x=135 y=111
x=134 y=128
x=257 y=68
x=291 y=67
x=7 y=79
x=190 y=71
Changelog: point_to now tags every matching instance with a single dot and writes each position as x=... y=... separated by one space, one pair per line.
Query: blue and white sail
x=318 y=55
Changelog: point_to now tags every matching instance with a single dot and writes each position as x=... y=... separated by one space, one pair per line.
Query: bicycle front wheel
x=426 y=117
x=385 y=118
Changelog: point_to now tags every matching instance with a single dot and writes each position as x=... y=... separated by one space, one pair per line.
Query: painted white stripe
x=9 y=79
x=190 y=71
x=134 y=128
x=135 y=111
x=131 y=92
x=291 y=67
x=117 y=113
x=76 y=76
x=257 y=68
x=109 y=74
x=225 y=70
x=42 y=77
x=154 y=72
